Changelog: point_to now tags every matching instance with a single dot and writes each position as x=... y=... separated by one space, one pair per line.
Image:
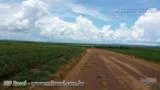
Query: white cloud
x=54 y=26
x=146 y=28
x=31 y=10
x=82 y=29
x=36 y=17
x=6 y=11
x=149 y=24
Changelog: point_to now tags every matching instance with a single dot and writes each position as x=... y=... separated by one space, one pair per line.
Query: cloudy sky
x=83 y=21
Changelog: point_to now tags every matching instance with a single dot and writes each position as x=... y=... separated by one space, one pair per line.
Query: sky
x=81 y=21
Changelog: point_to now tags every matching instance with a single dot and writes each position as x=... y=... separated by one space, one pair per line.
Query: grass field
x=34 y=61
x=147 y=53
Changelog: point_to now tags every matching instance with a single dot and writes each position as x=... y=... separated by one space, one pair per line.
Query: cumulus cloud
x=31 y=10
x=146 y=28
x=149 y=24
x=6 y=11
x=36 y=16
x=54 y=26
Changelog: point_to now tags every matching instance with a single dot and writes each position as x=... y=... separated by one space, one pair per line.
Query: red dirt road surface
x=105 y=70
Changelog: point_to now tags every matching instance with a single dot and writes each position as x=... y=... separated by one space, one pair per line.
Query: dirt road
x=105 y=70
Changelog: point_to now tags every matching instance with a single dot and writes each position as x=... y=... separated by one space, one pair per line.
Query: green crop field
x=34 y=61
x=147 y=53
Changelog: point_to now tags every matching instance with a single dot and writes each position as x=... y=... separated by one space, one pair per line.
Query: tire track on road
x=124 y=78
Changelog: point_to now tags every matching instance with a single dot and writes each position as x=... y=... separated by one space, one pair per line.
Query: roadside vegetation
x=147 y=53
x=34 y=61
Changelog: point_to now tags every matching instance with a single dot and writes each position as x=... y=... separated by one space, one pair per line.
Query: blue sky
x=94 y=21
